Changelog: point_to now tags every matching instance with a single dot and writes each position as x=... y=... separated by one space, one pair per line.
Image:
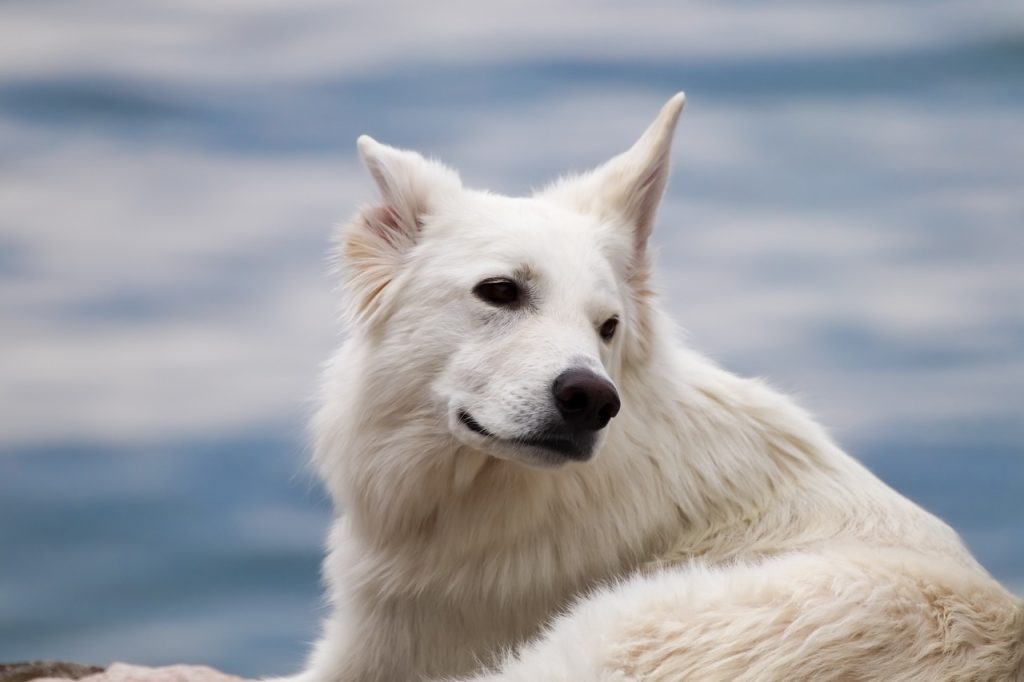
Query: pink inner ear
x=382 y=219
x=388 y=224
x=384 y=222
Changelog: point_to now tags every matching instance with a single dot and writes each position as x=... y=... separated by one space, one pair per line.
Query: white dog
x=535 y=482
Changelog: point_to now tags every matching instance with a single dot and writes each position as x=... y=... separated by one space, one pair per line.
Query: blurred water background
x=846 y=218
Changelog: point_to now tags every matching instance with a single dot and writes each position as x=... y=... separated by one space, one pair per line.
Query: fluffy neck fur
x=488 y=529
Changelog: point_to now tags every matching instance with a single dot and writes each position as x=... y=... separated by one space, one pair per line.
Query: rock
x=32 y=670
x=48 y=671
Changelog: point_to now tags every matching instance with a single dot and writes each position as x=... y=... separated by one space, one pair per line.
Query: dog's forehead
x=529 y=231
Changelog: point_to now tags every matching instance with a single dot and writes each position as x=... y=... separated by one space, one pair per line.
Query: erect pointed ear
x=630 y=185
x=374 y=243
x=409 y=185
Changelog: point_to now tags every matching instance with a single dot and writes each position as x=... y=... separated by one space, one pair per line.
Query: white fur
x=717 y=532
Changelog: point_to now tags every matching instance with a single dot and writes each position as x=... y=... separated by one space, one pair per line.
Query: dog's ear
x=630 y=185
x=375 y=242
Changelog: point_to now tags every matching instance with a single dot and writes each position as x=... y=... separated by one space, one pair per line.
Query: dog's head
x=509 y=317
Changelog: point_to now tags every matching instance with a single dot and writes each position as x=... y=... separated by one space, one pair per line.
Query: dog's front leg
x=368 y=637
x=362 y=645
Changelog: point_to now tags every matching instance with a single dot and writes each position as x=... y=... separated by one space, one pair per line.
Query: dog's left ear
x=410 y=185
x=374 y=244
x=630 y=185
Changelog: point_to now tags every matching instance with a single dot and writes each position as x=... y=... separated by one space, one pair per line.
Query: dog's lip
x=563 y=446
x=474 y=425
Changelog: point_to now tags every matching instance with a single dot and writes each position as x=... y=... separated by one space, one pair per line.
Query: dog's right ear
x=375 y=242
x=629 y=187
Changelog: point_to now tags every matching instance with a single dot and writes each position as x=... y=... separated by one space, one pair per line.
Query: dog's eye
x=498 y=291
x=607 y=330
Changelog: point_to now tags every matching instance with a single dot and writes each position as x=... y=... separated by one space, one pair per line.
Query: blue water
x=845 y=219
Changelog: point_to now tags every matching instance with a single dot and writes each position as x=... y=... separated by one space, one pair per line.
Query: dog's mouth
x=575 y=446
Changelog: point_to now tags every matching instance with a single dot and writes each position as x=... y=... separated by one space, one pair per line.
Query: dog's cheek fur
x=637 y=348
x=634 y=272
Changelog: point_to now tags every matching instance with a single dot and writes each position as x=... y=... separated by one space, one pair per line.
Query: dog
x=536 y=482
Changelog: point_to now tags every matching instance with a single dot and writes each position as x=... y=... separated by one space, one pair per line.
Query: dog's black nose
x=585 y=400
